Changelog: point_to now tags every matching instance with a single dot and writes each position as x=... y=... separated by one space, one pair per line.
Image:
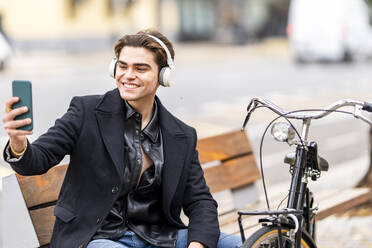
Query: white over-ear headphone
x=164 y=73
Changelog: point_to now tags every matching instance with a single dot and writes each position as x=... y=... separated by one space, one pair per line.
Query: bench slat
x=225 y=176
x=223 y=146
x=344 y=200
x=44 y=188
x=43 y=220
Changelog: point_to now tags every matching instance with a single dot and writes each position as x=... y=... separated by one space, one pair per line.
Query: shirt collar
x=152 y=128
x=129 y=110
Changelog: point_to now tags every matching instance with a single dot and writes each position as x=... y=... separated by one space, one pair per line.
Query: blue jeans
x=131 y=240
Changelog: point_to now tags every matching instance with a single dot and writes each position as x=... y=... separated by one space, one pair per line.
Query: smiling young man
x=133 y=165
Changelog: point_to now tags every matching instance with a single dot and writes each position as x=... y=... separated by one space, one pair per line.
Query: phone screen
x=23 y=90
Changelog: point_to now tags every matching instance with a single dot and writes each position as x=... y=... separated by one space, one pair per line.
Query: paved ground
x=345 y=232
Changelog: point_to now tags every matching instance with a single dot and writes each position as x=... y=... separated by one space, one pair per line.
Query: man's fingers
x=17 y=123
x=12 y=114
x=11 y=125
x=9 y=104
x=16 y=132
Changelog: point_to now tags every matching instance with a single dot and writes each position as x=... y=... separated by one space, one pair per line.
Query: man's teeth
x=130 y=85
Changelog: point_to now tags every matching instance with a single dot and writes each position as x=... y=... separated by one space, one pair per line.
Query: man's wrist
x=195 y=244
x=16 y=153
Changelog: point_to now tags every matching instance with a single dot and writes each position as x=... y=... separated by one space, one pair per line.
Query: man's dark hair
x=141 y=39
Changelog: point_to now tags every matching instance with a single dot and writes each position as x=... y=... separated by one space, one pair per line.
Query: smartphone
x=23 y=90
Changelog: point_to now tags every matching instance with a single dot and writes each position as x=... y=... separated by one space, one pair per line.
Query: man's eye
x=122 y=66
x=141 y=68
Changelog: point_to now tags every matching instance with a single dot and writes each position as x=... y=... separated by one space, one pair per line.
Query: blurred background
x=298 y=54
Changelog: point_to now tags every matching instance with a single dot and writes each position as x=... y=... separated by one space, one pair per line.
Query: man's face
x=136 y=74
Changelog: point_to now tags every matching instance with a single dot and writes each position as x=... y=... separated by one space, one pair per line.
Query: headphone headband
x=169 y=57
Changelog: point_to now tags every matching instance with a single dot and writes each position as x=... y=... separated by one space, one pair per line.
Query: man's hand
x=196 y=245
x=17 y=137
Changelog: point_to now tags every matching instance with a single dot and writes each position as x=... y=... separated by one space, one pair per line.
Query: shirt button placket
x=115 y=189
x=146 y=146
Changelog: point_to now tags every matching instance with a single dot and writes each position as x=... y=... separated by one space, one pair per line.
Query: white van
x=329 y=30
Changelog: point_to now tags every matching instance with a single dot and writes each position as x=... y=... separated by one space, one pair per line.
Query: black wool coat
x=91 y=131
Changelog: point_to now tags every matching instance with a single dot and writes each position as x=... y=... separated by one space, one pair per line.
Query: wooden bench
x=230 y=171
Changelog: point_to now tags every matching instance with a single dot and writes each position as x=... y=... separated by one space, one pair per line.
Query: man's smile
x=130 y=85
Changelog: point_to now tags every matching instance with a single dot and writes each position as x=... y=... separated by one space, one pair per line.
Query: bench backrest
x=227 y=159
x=40 y=194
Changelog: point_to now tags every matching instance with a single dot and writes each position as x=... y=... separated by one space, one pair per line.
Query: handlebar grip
x=367 y=106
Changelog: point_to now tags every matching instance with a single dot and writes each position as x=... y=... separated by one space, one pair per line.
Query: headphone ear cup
x=112 y=67
x=165 y=76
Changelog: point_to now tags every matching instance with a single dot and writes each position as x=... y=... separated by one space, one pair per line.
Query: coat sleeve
x=200 y=206
x=50 y=148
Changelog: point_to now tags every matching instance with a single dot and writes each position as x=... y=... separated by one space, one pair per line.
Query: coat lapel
x=110 y=117
x=175 y=147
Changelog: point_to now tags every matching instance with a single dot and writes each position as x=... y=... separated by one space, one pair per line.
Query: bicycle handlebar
x=359 y=105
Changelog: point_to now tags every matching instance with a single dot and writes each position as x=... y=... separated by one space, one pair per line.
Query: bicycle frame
x=299 y=181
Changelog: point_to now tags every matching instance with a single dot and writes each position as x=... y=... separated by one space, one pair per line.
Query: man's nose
x=130 y=73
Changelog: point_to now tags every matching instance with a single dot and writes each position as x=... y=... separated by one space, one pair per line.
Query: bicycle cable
x=261 y=145
x=281 y=202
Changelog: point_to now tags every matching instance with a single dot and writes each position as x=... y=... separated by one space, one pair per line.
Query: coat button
x=114 y=189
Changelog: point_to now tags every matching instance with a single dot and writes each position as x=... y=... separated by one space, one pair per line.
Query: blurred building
x=74 y=23
x=85 y=24
x=232 y=21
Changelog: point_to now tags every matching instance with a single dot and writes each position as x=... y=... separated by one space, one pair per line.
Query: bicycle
x=294 y=226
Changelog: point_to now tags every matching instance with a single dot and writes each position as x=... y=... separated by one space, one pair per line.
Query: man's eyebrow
x=142 y=64
x=121 y=62
x=136 y=64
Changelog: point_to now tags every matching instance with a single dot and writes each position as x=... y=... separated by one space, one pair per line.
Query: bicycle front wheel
x=267 y=236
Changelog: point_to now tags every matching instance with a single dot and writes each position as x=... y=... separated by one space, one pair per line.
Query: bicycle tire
x=268 y=235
